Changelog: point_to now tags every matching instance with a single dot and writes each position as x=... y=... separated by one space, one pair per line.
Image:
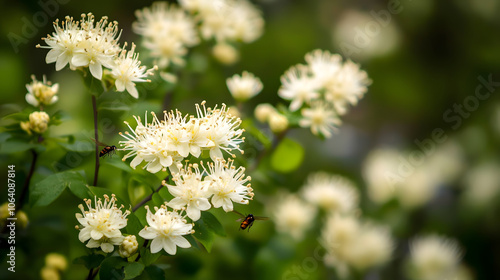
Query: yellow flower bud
x=263 y=111
x=277 y=122
x=225 y=53
x=129 y=246
x=56 y=261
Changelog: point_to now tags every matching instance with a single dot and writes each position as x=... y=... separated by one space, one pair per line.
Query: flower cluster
x=323 y=88
x=163 y=144
x=293 y=215
x=220 y=181
x=41 y=93
x=244 y=87
x=101 y=224
x=350 y=242
x=167 y=31
x=91 y=44
x=166 y=229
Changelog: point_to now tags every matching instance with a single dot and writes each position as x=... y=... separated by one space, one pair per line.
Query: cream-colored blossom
x=41 y=92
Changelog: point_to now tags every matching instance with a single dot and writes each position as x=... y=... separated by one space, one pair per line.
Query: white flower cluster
x=293 y=216
x=220 y=181
x=91 y=44
x=323 y=88
x=167 y=31
x=41 y=93
x=163 y=144
x=244 y=87
x=101 y=223
x=350 y=242
x=434 y=257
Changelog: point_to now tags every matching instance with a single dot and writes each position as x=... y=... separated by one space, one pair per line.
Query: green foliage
x=112 y=268
x=49 y=189
x=90 y=261
x=288 y=156
x=133 y=270
x=206 y=228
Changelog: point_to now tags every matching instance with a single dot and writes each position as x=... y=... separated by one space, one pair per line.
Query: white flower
x=102 y=223
x=293 y=216
x=228 y=184
x=189 y=190
x=482 y=184
x=162 y=143
x=331 y=192
x=321 y=118
x=350 y=242
x=298 y=85
x=167 y=32
x=434 y=257
x=380 y=171
x=263 y=112
x=225 y=53
x=166 y=229
x=278 y=122
x=244 y=87
x=41 y=93
x=127 y=71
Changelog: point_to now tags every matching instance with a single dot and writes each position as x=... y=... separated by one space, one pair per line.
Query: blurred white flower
x=298 y=86
x=418 y=188
x=41 y=93
x=482 y=184
x=277 y=122
x=227 y=20
x=228 y=184
x=244 y=87
x=162 y=143
x=263 y=112
x=102 y=223
x=189 y=191
x=433 y=257
x=56 y=261
x=321 y=118
x=166 y=229
x=350 y=242
x=167 y=31
x=293 y=216
x=127 y=71
x=379 y=170
x=332 y=193
x=225 y=53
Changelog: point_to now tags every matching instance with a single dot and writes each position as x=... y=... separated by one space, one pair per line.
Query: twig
x=148 y=198
x=96 y=135
x=20 y=201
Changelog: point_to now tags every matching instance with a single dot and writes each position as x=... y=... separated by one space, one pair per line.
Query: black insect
x=108 y=150
x=247 y=221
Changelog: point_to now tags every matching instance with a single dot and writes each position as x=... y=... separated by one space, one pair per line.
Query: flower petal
x=107 y=247
x=181 y=242
x=148 y=233
x=157 y=245
x=169 y=246
x=96 y=235
x=193 y=213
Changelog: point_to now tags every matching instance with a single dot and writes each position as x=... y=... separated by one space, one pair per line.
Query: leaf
x=4 y=136
x=213 y=223
x=90 y=261
x=112 y=268
x=250 y=127
x=80 y=190
x=192 y=241
x=133 y=224
x=46 y=191
x=19 y=116
x=204 y=234
x=133 y=270
x=157 y=199
x=288 y=156
x=11 y=147
x=118 y=164
x=147 y=257
x=79 y=146
x=155 y=273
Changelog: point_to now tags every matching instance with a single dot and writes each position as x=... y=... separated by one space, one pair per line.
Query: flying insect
x=108 y=150
x=248 y=220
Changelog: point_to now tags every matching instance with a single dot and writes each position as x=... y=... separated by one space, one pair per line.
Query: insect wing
x=243 y=217
x=260 y=218
x=99 y=143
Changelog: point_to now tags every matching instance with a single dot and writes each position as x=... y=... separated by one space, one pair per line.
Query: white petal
x=181 y=242
x=203 y=204
x=120 y=85
x=217 y=201
x=227 y=206
x=215 y=153
x=84 y=235
x=132 y=90
x=148 y=233
x=107 y=247
x=177 y=203
x=96 y=70
x=96 y=235
x=52 y=56
x=93 y=244
x=79 y=60
x=193 y=213
x=136 y=161
x=154 y=166
x=169 y=246
x=166 y=161
x=62 y=61
x=157 y=245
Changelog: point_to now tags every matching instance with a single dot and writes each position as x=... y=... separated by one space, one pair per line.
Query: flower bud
x=49 y=273
x=129 y=246
x=263 y=111
x=277 y=122
x=225 y=53
x=38 y=123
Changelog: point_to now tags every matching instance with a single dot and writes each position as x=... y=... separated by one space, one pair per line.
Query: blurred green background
x=426 y=59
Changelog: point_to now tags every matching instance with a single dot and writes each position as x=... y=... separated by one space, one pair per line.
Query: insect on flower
x=108 y=150
x=247 y=221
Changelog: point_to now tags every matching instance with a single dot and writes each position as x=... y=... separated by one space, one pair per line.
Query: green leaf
x=213 y=223
x=118 y=164
x=204 y=234
x=11 y=147
x=157 y=199
x=19 y=116
x=288 y=156
x=250 y=127
x=113 y=106
x=79 y=146
x=155 y=273
x=46 y=191
x=147 y=257
x=4 y=136
x=90 y=261
x=192 y=241
x=80 y=190
x=133 y=270
x=133 y=224
x=112 y=268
